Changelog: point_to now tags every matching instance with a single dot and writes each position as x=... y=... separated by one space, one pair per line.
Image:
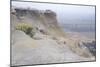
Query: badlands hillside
x=47 y=43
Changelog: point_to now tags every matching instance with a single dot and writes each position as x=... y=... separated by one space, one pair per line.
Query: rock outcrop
x=50 y=43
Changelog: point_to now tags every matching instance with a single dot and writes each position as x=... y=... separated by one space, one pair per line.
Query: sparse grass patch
x=27 y=28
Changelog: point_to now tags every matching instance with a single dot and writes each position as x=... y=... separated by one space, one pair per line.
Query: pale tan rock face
x=50 y=44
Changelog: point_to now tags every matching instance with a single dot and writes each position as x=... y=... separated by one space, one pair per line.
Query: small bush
x=27 y=28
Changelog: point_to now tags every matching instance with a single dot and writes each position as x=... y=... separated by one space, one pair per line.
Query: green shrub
x=27 y=28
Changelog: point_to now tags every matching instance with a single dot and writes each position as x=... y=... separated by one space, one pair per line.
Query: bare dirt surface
x=29 y=51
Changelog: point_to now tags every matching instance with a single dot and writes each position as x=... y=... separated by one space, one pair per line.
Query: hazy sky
x=70 y=14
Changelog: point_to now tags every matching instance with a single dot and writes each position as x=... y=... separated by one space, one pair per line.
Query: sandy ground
x=26 y=50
